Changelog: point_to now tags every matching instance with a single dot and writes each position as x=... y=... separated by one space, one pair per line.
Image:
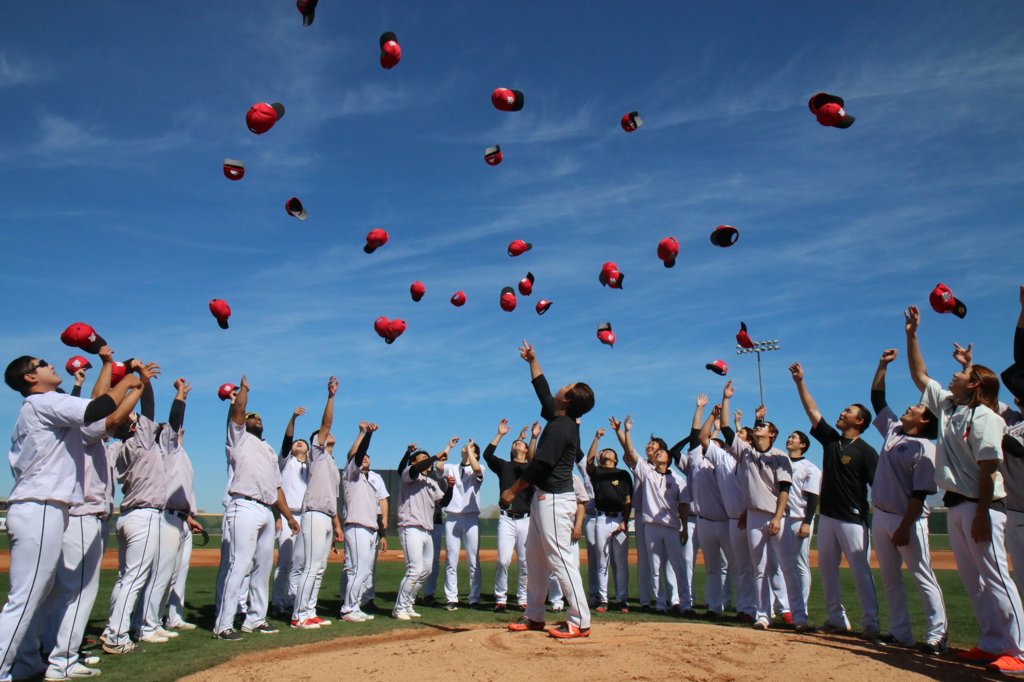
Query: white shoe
x=761 y=624
x=367 y=616
x=166 y=633
x=91 y=659
x=182 y=626
x=413 y=614
x=401 y=615
x=154 y=638
x=355 y=617
x=75 y=672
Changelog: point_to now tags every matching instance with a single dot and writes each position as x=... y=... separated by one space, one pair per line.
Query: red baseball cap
x=829 y=110
x=718 y=367
x=610 y=276
x=81 y=335
x=506 y=99
x=743 y=338
x=390 y=50
x=222 y=311
x=308 y=10
x=417 y=290
x=234 y=169
x=493 y=156
x=118 y=371
x=294 y=208
x=261 y=116
x=526 y=284
x=631 y=121
x=943 y=301
x=375 y=239
x=543 y=305
x=508 y=299
x=395 y=329
x=668 y=249
x=724 y=236
x=224 y=391
x=380 y=325
x=518 y=247
x=605 y=334
x=458 y=299
x=76 y=363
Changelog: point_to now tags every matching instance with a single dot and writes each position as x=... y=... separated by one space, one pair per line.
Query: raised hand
x=371 y=427
x=526 y=352
x=888 y=355
x=535 y=432
x=453 y=442
x=615 y=423
x=79 y=377
x=149 y=371
x=760 y=412
x=911 y=319
x=410 y=448
x=332 y=386
x=797 y=372
x=628 y=423
x=728 y=390
x=599 y=434
x=962 y=355
x=298 y=411
x=503 y=428
x=702 y=400
x=716 y=412
x=106 y=354
x=183 y=386
x=364 y=426
x=243 y=384
x=522 y=433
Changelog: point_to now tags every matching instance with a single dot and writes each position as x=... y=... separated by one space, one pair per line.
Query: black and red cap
x=220 y=310
x=234 y=169
x=493 y=155
x=294 y=208
x=507 y=301
x=668 y=250
x=76 y=363
x=507 y=99
x=308 y=10
x=718 y=367
x=542 y=306
x=526 y=284
x=631 y=121
x=605 y=334
x=375 y=239
x=390 y=50
x=743 y=338
x=518 y=247
x=724 y=236
x=830 y=110
x=261 y=116
x=81 y=335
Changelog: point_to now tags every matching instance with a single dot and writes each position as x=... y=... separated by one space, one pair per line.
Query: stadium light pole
x=759 y=347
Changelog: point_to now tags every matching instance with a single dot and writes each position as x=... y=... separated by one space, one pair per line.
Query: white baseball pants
x=242 y=599
x=590 y=523
x=288 y=547
x=549 y=550
x=418 y=547
x=760 y=546
x=512 y=534
x=775 y=583
x=687 y=589
x=612 y=549
x=437 y=540
x=317 y=538
x=74 y=592
x=360 y=549
x=158 y=587
x=835 y=539
x=717 y=550
x=643 y=563
x=983 y=570
x=176 y=601
x=798 y=550
x=665 y=551
x=917 y=556
x=250 y=526
x=458 y=529
x=746 y=597
x=138 y=533
x=1015 y=545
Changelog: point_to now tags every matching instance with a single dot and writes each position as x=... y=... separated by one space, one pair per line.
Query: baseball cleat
x=400 y=615
x=229 y=635
x=830 y=629
x=451 y=606
x=760 y=624
x=742 y=617
x=355 y=617
x=933 y=648
x=128 y=647
x=166 y=633
x=602 y=607
x=889 y=639
x=568 y=631
x=623 y=607
x=182 y=626
x=320 y=622
x=429 y=600
x=413 y=614
x=787 y=617
x=803 y=627
x=975 y=655
x=525 y=624
x=1008 y=665
x=690 y=613
x=713 y=616
x=871 y=633
x=75 y=672
x=153 y=638
x=500 y=607
x=304 y=624
x=263 y=628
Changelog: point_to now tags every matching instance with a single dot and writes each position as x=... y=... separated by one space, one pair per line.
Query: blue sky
x=116 y=118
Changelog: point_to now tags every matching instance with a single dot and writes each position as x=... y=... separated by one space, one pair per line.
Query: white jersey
x=761 y=474
x=707 y=497
x=806 y=481
x=47 y=451
x=590 y=508
x=294 y=479
x=905 y=464
x=378 y=486
x=728 y=482
x=579 y=489
x=466 y=493
x=361 y=503
x=661 y=495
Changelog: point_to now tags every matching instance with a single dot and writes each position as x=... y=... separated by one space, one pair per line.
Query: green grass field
x=196 y=650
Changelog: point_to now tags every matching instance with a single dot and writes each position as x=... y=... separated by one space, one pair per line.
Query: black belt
x=515 y=515
x=183 y=515
x=253 y=499
x=951 y=499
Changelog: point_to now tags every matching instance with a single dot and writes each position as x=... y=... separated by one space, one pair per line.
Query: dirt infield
x=621 y=651
x=941 y=559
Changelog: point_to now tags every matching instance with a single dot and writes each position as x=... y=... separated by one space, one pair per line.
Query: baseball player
x=380 y=540
x=77 y=579
x=175 y=618
x=967 y=456
x=255 y=488
x=462 y=525
x=765 y=478
x=549 y=546
x=1012 y=468
x=903 y=480
x=437 y=541
x=613 y=490
x=294 y=465
x=590 y=533
x=320 y=527
x=176 y=524
x=665 y=508
x=361 y=519
x=418 y=495
x=513 y=520
x=803 y=504
x=848 y=469
x=139 y=464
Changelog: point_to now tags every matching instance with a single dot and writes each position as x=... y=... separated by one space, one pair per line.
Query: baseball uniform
x=418 y=494
x=848 y=467
x=513 y=526
x=381 y=491
x=906 y=468
x=803 y=501
x=732 y=500
x=1012 y=470
x=590 y=538
x=712 y=527
x=294 y=479
x=462 y=525
x=361 y=507
x=662 y=497
x=613 y=490
x=968 y=435
x=319 y=507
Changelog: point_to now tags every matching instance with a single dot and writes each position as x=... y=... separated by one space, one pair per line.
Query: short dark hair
x=660 y=441
x=14 y=375
x=804 y=440
x=581 y=400
x=303 y=440
x=930 y=429
x=864 y=414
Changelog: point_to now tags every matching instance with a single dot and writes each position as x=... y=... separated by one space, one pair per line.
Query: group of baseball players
x=725 y=490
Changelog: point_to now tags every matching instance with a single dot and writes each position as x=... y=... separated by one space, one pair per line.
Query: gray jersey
x=905 y=464
x=180 y=476
x=728 y=480
x=760 y=474
x=361 y=505
x=95 y=475
x=416 y=500
x=140 y=468
x=707 y=498
x=254 y=471
x=322 y=490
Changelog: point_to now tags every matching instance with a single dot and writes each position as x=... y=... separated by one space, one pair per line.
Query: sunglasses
x=41 y=363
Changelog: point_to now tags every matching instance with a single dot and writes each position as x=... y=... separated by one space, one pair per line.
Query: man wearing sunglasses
x=47 y=452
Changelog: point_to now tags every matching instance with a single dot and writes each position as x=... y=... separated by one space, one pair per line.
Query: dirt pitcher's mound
x=619 y=651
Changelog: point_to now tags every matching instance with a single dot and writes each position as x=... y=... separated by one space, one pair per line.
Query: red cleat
x=976 y=655
x=787 y=617
x=1008 y=665
x=568 y=631
x=525 y=625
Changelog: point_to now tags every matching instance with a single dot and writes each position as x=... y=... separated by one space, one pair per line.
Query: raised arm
x=239 y=402
x=289 y=432
x=918 y=371
x=328 y=419
x=878 y=382
x=693 y=438
x=176 y=418
x=810 y=407
x=493 y=462
x=531 y=451
x=102 y=384
x=709 y=425
x=364 y=445
x=474 y=463
x=962 y=355
x=540 y=384
x=404 y=461
x=126 y=405
x=592 y=453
